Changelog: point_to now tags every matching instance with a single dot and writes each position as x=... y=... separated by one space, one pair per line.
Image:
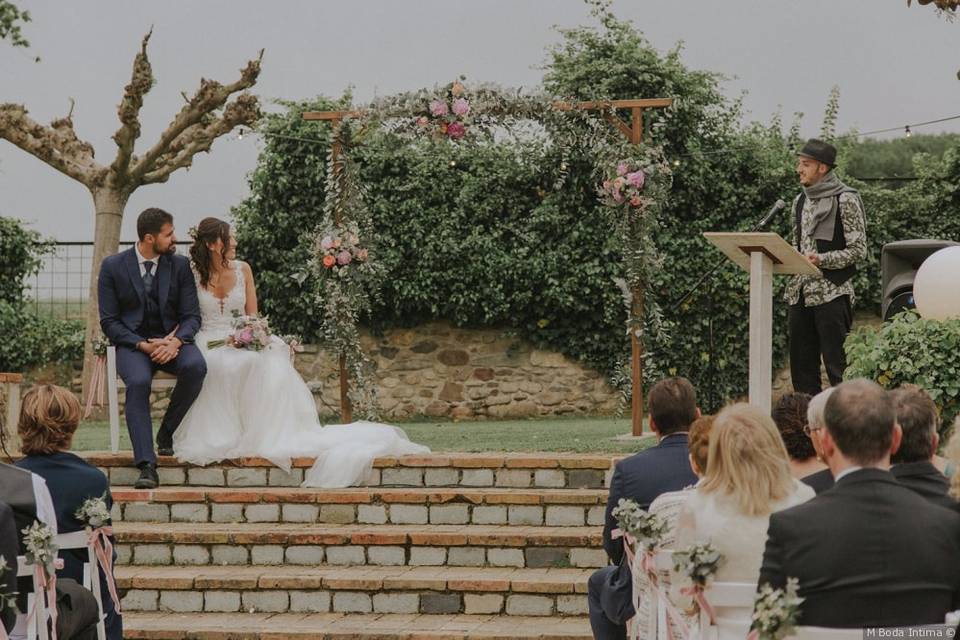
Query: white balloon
x=936 y=289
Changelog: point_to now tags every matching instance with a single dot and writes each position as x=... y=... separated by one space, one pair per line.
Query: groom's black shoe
x=148 y=477
x=164 y=443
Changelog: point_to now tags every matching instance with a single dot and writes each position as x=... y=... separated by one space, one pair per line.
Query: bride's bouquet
x=249 y=332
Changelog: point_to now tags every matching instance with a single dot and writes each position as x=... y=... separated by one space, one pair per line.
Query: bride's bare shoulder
x=245 y=268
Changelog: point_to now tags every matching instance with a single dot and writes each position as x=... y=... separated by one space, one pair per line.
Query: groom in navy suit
x=149 y=311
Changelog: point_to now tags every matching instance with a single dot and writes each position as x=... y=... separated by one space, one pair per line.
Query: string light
x=240 y=135
x=453 y=163
x=676 y=162
x=907 y=131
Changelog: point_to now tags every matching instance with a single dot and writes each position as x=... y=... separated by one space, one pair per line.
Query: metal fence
x=62 y=286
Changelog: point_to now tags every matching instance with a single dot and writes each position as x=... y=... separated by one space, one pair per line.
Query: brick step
x=326 y=589
x=351 y=544
x=536 y=507
x=546 y=470
x=335 y=626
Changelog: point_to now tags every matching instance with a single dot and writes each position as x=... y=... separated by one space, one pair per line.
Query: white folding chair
x=732 y=604
x=91 y=571
x=161 y=380
x=36 y=603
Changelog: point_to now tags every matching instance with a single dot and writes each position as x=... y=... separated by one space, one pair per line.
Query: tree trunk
x=109 y=204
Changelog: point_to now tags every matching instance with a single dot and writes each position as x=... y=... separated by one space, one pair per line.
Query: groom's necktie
x=147 y=277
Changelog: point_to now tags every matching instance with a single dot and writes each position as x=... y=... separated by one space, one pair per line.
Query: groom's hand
x=165 y=350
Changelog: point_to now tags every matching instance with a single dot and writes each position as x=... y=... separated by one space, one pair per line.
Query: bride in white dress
x=255 y=403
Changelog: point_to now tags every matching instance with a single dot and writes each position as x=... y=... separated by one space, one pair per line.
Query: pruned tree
x=207 y=115
x=942 y=5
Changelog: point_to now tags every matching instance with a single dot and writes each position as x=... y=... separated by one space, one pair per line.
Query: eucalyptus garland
x=635 y=182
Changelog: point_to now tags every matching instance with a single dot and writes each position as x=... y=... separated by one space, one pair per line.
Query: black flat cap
x=820 y=151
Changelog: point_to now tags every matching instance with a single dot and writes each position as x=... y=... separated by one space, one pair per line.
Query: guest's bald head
x=860 y=418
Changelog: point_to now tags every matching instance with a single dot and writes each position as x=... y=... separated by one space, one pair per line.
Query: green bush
x=36 y=340
x=909 y=349
x=21 y=252
x=30 y=340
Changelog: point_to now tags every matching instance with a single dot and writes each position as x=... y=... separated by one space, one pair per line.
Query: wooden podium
x=762 y=255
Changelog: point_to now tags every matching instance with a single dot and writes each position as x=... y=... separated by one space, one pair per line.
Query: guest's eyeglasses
x=807 y=429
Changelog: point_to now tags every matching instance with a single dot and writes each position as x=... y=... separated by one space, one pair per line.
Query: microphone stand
x=711 y=370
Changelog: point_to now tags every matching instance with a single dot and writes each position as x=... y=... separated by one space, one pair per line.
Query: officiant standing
x=830 y=229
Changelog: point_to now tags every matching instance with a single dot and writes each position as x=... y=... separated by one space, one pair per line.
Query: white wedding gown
x=256 y=404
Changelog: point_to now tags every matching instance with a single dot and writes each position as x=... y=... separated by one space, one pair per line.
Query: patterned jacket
x=816 y=289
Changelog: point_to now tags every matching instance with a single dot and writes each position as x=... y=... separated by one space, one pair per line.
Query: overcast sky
x=894 y=66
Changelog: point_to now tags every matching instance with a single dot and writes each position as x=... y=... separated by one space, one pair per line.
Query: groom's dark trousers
x=129 y=314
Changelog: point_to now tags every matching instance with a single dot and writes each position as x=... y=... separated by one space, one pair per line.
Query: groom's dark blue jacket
x=122 y=298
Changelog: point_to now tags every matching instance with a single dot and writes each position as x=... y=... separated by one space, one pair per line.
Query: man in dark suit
x=913 y=461
x=642 y=477
x=869 y=552
x=149 y=310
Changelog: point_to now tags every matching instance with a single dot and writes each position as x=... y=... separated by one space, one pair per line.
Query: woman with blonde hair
x=747 y=478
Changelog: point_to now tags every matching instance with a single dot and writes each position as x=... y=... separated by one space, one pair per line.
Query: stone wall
x=440 y=371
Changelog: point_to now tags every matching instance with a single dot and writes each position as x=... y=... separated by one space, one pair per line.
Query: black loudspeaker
x=899 y=262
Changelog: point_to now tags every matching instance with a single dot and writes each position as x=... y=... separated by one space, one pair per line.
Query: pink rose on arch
x=456 y=130
x=617 y=196
x=636 y=201
x=326 y=243
x=362 y=255
x=439 y=108
x=336 y=243
x=422 y=121
x=636 y=179
x=343 y=258
x=461 y=107
x=622 y=169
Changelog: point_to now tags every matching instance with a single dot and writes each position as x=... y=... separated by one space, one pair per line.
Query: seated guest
x=9 y=551
x=822 y=480
x=869 y=552
x=49 y=417
x=748 y=478
x=642 y=477
x=27 y=495
x=913 y=461
x=790 y=416
x=668 y=505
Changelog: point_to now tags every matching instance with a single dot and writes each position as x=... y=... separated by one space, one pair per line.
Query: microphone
x=779 y=205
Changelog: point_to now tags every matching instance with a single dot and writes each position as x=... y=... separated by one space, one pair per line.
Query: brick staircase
x=437 y=546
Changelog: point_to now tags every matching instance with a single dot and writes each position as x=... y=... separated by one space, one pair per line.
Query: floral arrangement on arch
x=447 y=115
x=634 y=187
x=340 y=253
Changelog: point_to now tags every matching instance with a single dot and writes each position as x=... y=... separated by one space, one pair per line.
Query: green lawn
x=582 y=435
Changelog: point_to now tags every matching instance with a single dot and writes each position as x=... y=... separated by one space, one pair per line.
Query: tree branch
x=210 y=97
x=128 y=112
x=245 y=110
x=56 y=145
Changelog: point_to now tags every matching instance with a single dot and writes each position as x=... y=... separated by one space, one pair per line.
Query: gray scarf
x=822 y=197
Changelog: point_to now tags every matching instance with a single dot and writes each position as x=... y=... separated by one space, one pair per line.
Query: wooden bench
x=161 y=380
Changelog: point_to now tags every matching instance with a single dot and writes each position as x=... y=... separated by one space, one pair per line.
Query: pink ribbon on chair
x=46 y=585
x=696 y=592
x=648 y=564
x=103 y=549
x=97 y=386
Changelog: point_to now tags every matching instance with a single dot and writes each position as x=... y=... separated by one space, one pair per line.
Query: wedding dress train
x=256 y=404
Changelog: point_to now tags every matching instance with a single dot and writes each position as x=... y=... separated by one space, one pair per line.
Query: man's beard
x=172 y=249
